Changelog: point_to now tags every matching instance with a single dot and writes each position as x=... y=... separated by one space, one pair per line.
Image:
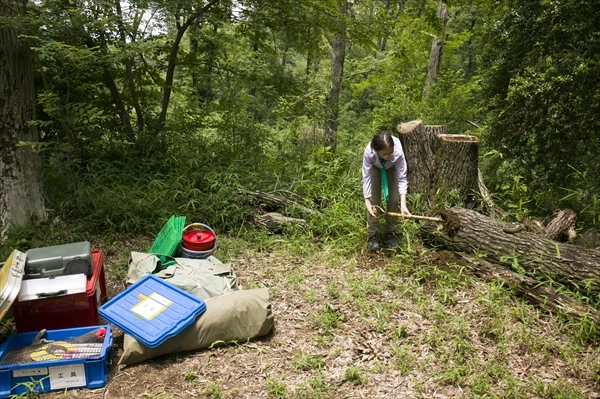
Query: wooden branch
x=417 y=217
x=495 y=211
x=473 y=124
x=562 y=225
x=533 y=290
x=275 y=221
x=278 y=201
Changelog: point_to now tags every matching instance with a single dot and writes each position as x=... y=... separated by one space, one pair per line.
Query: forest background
x=116 y=115
x=146 y=109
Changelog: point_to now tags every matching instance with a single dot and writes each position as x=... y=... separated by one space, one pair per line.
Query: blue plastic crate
x=43 y=368
x=152 y=310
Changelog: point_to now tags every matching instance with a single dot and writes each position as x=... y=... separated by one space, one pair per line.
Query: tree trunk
x=562 y=226
x=172 y=62
x=456 y=168
x=534 y=291
x=129 y=70
x=335 y=79
x=418 y=144
x=464 y=230
x=20 y=177
x=436 y=130
x=117 y=98
x=435 y=56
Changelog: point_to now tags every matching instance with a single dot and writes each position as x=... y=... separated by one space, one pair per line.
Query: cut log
x=533 y=290
x=276 y=222
x=418 y=143
x=562 y=226
x=456 y=167
x=464 y=230
x=280 y=201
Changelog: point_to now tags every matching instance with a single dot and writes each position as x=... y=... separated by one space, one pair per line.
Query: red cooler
x=64 y=311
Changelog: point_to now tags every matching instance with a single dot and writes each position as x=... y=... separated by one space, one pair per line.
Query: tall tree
x=21 y=194
x=435 y=56
x=338 y=57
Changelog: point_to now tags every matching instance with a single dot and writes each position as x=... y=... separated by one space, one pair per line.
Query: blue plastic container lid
x=152 y=310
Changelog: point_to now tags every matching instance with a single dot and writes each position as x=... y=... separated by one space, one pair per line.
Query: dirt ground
x=258 y=369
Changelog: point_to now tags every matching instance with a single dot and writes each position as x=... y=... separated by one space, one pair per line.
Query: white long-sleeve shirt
x=371 y=160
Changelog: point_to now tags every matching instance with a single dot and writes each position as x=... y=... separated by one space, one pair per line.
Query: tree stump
x=562 y=226
x=418 y=143
x=467 y=231
x=435 y=130
x=456 y=167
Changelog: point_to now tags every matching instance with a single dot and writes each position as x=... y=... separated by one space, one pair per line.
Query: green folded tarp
x=167 y=241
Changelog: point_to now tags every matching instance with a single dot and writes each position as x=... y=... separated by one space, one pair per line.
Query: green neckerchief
x=384 y=182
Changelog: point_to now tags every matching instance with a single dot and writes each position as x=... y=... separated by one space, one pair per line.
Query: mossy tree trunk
x=21 y=193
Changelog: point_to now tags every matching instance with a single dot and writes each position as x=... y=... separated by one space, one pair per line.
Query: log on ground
x=464 y=230
x=282 y=200
x=533 y=291
x=276 y=222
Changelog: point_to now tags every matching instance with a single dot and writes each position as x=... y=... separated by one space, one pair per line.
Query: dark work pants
x=391 y=223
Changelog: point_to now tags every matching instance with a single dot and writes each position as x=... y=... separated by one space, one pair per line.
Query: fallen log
x=464 y=230
x=276 y=222
x=278 y=199
x=533 y=290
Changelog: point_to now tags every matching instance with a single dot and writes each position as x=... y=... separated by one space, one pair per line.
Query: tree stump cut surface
x=467 y=231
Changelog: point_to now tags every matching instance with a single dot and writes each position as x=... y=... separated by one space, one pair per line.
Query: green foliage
x=307 y=361
x=213 y=390
x=190 y=375
x=328 y=318
x=582 y=197
x=356 y=375
x=32 y=390
x=278 y=388
x=315 y=388
x=541 y=92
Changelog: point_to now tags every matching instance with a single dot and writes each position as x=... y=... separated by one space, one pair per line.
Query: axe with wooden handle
x=395 y=214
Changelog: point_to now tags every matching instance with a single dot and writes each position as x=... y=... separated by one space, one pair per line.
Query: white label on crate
x=30 y=372
x=151 y=306
x=161 y=299
x=70 y=376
